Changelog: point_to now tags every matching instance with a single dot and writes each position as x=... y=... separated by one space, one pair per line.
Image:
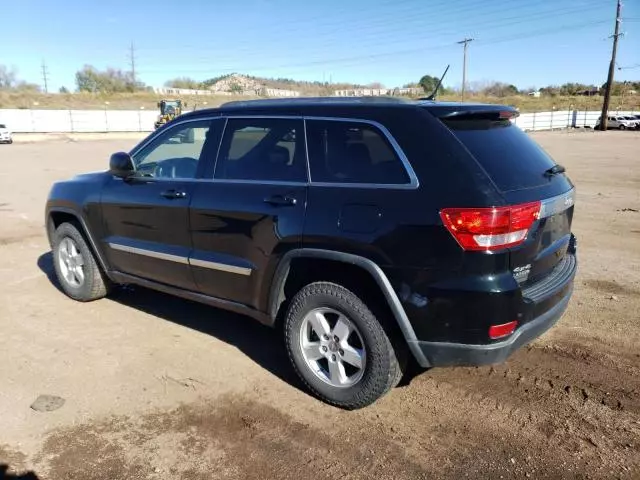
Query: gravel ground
x=156 y=387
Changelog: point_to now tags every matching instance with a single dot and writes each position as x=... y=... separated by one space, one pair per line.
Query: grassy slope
x=134 y=101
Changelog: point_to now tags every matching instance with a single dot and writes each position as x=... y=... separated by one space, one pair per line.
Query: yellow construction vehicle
x=169 y=109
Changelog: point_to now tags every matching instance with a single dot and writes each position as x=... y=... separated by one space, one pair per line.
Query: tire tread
x=387 y=370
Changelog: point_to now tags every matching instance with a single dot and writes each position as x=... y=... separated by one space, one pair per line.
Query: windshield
x=2 y=125
x=170 y=107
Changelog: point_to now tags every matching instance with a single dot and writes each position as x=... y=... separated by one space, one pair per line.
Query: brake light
x=490 y=228
x=499 y=331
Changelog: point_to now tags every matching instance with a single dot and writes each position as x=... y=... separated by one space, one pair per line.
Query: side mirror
x=121 y=165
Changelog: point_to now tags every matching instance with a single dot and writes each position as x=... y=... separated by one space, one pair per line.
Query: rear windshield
x=508 y=155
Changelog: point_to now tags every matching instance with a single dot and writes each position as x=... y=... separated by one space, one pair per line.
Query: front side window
x=352 y=152
x=262 y=149
x=175 y=153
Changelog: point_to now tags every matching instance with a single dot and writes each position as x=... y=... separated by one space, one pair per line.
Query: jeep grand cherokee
x=368 y=230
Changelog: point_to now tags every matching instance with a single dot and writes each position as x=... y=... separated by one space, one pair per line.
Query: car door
x=146 y=217
x=253 y=209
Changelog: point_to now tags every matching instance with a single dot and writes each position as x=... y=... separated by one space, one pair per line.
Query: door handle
x=281 y=200
x=172 y=194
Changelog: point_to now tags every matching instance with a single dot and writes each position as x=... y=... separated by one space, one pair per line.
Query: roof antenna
x=432 y=97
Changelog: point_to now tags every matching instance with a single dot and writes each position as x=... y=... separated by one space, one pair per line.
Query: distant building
x=534 y=94
x=377 y=92
x=278 y=92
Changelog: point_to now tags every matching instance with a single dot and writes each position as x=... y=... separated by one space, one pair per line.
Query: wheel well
x=58 y=218
x=303 y=271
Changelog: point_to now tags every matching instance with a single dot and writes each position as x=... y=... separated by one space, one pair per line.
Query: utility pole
x=607 y=90
x=45 y=77
x=132 y=58
x=464 y=42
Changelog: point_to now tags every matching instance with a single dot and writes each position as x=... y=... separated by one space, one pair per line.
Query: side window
x=352 y=152
x=262 y=149
x=175 y=153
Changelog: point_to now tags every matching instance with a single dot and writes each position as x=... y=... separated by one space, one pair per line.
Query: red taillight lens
x=490 y=228
x=499 y=331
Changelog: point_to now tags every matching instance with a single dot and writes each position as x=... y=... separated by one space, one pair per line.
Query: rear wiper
x=555 y=170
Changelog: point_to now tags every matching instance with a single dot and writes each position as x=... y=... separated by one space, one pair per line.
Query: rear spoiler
x=463 y=111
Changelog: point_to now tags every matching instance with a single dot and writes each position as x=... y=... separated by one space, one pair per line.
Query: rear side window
x=352 y=152
x=508 y=155
x=262 y=149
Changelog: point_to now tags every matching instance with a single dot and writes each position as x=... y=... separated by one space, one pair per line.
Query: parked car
x=634 y=121
x=369 y=231
x=620 y=122
x=5 y=134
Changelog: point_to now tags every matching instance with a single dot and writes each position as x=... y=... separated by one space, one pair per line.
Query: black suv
x=369 y=230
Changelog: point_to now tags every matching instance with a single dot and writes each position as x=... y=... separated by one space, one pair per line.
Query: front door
x=252 y=210
x=146 y=217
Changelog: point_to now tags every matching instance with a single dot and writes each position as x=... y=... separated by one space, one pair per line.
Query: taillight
x=490 y=228
x=499 y=331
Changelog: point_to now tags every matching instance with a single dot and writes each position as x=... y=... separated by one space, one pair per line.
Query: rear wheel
x=75 y=265
x=622 y=127
x=338 y=347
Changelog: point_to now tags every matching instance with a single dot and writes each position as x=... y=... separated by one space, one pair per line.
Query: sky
x=523 y=42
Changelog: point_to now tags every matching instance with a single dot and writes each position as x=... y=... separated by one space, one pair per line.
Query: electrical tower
x=45 y=77
x=132 y=59
x=464 y=42
x=607 y=90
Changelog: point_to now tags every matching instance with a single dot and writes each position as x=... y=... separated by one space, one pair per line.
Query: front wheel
x=622 y=127
x=338 y=347
x=76 y=268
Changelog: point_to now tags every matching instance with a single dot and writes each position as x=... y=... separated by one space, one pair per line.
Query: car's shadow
x=262 y=344
x=10 y=476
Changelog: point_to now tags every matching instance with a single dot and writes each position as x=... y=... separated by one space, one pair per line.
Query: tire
x=76 y=269
x=622 y=127
x=358 y=387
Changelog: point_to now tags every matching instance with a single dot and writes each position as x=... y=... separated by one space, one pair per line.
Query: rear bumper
x=440 y=354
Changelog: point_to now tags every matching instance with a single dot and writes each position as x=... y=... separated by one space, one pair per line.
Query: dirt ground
x=156 y=387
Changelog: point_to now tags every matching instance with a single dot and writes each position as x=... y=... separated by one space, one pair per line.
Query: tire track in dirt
x=556 y=397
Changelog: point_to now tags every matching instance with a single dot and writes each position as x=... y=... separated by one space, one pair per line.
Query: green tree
x=499 y=89
x=428 y=83
x=235 y=87
x=8 y=77
x=112 y=80
x=63 y=90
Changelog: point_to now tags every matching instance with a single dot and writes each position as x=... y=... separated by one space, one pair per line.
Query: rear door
x=523 y=172
x=252 y=211
x=146 y=217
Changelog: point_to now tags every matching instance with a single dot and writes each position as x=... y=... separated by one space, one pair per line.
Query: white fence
x=559 y=119
x=53 y=121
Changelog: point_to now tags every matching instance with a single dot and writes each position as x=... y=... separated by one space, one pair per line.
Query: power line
x=612 y=64
x=464 y=42
x=360 y=59
x=239 y=60
x=391 y=28
x=45 y=76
